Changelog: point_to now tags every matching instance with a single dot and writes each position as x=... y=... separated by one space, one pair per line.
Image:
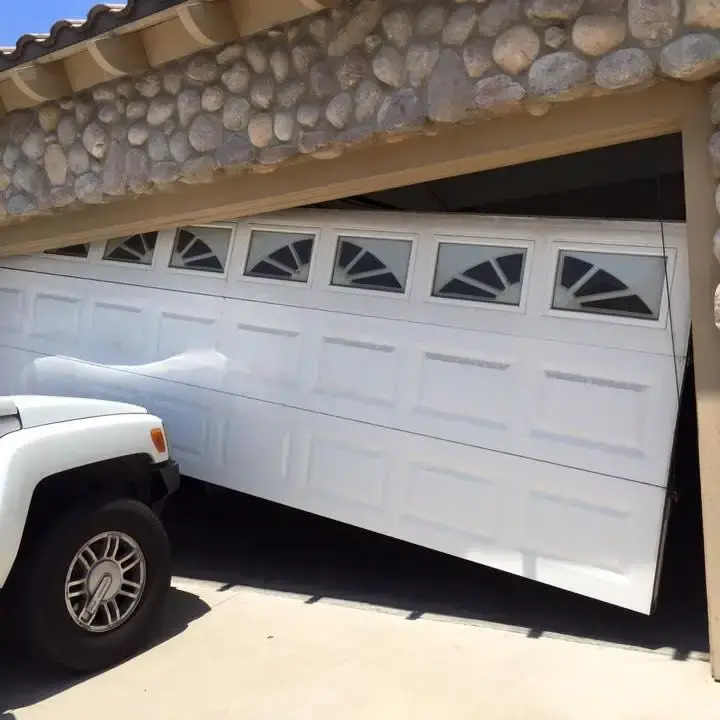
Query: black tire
x=40 y=613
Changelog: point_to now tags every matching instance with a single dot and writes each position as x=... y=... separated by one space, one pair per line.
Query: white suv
x=84 y=558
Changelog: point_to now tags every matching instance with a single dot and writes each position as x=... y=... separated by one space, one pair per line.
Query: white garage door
x=503 y=390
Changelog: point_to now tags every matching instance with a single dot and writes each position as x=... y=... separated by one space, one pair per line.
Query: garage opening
x=355 y=373
x=288 y=550
x=637 y=181
x=633 y=181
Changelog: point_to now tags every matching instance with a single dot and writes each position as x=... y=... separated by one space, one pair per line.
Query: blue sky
x=27 y=16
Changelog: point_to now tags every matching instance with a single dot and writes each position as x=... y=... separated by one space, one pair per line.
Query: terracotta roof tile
x=100 y=19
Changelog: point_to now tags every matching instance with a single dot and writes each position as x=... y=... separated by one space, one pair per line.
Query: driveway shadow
x=24 y=682
x=240 y=541
x=236 y=540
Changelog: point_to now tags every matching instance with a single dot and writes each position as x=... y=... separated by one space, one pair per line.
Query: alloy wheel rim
x=105 y=582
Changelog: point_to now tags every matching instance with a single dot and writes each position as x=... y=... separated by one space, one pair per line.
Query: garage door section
x=504 y=390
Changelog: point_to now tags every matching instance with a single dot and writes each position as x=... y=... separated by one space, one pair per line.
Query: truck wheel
x=92 y=588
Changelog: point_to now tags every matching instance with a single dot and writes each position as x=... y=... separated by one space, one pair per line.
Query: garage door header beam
x=574 y=127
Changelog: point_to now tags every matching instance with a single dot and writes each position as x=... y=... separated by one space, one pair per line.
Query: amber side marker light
x=158 y=438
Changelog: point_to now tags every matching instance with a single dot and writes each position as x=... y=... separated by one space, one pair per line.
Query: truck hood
x=37 y=410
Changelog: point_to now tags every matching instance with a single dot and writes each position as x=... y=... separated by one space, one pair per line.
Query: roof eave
x=113 y=43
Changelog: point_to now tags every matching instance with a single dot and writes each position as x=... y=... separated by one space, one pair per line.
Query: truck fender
x=29 y=456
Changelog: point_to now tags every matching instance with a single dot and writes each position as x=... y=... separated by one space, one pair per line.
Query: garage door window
x=479 y=273
x=71 y=251
x=609 y=284
x=277 y=255
x=137 y=249
x=372 y=263
x=201 y=248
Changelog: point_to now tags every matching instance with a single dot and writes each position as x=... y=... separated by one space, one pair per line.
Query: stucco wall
x=379 y=69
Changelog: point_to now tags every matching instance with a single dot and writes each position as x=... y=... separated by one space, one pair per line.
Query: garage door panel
x=598 y=546
x=350 y=473
x=193 y=417
x=551 y=520
x=13 y=362
x=181 y=331
x=192 y=414
x=444 y=499
x=542 y=405
x=43 y=316
x=609 y=415
x=267 y=356
x=486 y=507
x=362 y=371
x=573 y=407
x=501 y=493
x=51 y=315
x=42 y=374
x=257 y=450
x=265 y=348
x=409 y=496
x=471 y=388
x=545 y=400
x=55 y=318
x=118 y=331
x=545 y=237
x=12 y=310
x=188 y=423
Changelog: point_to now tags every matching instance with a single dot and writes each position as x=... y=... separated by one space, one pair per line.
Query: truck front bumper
x=167 y=476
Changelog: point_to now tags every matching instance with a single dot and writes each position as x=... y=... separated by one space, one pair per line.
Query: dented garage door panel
x=504 y=390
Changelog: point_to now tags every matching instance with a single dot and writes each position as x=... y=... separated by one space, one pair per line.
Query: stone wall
x=380 y=68
x=715 y=156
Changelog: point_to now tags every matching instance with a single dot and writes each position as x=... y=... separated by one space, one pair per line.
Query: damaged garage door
x=504 y=390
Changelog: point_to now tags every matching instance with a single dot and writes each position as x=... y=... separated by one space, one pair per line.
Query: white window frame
x=370 y=234
x=495 y=242
x=606 y=317
x=244 y=239
x=71 y=258
x=200 y=272
x=124 y=263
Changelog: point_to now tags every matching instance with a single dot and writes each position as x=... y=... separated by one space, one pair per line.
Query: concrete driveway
x=276 y=614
